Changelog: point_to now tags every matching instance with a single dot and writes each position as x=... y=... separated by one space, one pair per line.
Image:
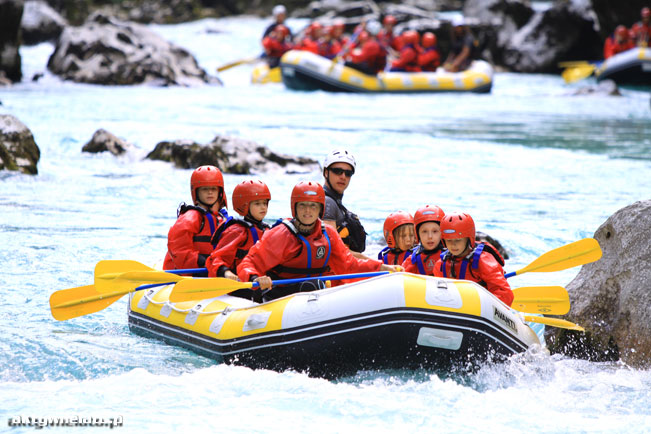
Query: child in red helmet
x=618 y=42
x=189 y=239
x=237 y=236
x=429 y=58
x=427 y=221
x=408 y=58
x=301 y=247
x=399 y=235
x=464 y=258
x=276 y=44
x=642 y=29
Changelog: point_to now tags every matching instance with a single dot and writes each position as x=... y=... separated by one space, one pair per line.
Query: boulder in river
x=610 y=297
x=11 y=12
x=18 y=150
x=103 y=141
x=231 y=155
x=108 y=51
x=41 y=23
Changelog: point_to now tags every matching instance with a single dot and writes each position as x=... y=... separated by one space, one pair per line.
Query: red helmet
x=622 y=32
x=339 y=24
x=314 y=28
x=282 y=31
x=308 y=192
x=389 y=20
x=363 y=36
x=410 y=37
x=645 y=13
x=207 y=176
x=458 y=225
x=427 y=213
x=392 y=222
x=429 y=39
x=246 y=192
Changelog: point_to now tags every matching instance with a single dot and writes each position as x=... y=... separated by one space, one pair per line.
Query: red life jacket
x=312 y=259
x=641 y=34
x=392 y=256
x=188 y=247
x=429 y=59
x=408 y=59
x=421 y=261
x=253 y=234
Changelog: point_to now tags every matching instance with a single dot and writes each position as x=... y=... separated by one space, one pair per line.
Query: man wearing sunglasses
x=338 y=168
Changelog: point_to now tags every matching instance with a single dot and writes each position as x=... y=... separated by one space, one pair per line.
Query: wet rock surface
x=18 y=150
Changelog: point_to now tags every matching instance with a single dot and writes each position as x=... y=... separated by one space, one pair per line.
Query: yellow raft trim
x=416 y=288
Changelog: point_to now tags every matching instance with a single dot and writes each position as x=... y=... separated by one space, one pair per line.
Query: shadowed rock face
x=108 y=51
x=611 y=297
x=40 y=23
x=103 y=141
x=18 y=151
x=230 y=155
x=11 y=12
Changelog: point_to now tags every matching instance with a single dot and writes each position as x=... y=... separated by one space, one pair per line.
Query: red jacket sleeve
x=492 y=273
x=342 y=261
x=608 y=48
x=407 y=56
x=180 y=245
x=231 y=240
x=409 y=266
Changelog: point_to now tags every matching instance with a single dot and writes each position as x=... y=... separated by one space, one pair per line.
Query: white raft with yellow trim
x=394 y=321
x=302 y=70
x=629 y=67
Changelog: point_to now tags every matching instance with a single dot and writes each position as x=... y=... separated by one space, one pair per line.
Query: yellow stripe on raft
x=416 y=289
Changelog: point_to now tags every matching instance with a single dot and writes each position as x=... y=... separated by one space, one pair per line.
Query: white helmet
x=373 y=27
x=278 y=9
x=339 y=156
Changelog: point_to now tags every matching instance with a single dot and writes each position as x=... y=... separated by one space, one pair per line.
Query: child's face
x=457 y=246
x=258 y=208
x=429 y=234
x=404 y=236
x=208 y=195
x=308 y=212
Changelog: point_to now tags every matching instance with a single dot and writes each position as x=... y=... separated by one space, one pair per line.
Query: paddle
x=198 y=289
x=577 y=253
x=575 y=71
x=239 y=62
x=552 y=300
x=115 y=275
x=83 y=300
x=554 y=322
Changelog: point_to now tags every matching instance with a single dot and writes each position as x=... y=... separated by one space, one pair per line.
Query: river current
x=534 y=165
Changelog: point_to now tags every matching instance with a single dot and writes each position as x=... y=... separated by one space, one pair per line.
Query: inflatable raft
x=394 y=321
x=630 y=67
x=262 y=74
x=302 y=70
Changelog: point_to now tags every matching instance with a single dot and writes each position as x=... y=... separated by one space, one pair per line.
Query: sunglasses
x=339 y=171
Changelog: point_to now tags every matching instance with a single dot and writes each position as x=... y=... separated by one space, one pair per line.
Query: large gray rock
x=41 y=23
x=18 y=151
x=11 y=12
x=231 y=155
x=611 y=297
x=103 y=141
x=108 y=51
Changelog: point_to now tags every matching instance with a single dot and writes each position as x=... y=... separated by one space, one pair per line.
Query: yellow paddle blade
x=552 y=300
x=116 y=275
x=83 y=300
x=577 y=253
x=201 y=288
x=554 y=322
x=578 y=72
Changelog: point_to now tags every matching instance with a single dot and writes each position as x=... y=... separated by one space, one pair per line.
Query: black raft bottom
x=332 y=351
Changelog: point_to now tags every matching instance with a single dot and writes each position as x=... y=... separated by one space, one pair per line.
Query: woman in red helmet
x=301 y=247
x=399 y=235
x=236 y=236
x=408 y=58
x=189 y=239
x=642 y=29
x=429 y=58
x=464 y=258
x=428 y=233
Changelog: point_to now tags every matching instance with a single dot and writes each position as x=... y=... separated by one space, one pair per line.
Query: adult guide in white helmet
x=338 y=168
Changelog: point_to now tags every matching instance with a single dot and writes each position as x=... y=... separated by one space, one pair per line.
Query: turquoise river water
x=535 y=166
